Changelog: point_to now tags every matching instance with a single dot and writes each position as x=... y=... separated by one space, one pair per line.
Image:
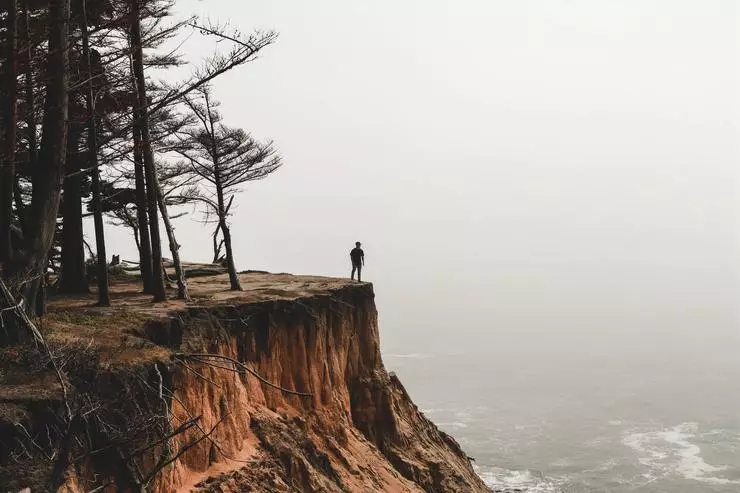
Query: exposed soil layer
x=170 y=388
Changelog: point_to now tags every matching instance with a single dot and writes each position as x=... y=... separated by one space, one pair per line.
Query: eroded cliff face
x=357 y=431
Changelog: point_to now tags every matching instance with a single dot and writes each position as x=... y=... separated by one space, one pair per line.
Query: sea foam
x=671 y=451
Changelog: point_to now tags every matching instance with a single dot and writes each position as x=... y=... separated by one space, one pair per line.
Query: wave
x=500 y=479
x=671 y=451
x=409 y=356
x=453 y=424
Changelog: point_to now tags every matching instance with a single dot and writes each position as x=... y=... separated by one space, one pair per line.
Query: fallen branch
x=308 y=309
x=198 y=374
x=184 y=449
x=200 y=356
x=337 y=300
x=180 y=429
x=214 y=442
x=33 y=442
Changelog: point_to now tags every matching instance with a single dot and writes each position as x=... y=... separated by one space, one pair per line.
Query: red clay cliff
x=174 y=384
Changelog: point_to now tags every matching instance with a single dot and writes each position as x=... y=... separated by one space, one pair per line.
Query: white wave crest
x=409 y=356
x=671 y=451
x=525 y=480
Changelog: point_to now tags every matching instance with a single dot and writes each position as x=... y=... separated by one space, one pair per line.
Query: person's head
x=358 y=244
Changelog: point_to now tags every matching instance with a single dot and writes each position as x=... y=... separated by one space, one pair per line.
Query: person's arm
x=363 y=257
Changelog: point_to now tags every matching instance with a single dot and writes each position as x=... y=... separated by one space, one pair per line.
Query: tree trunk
x=30 y=97
x=217 y=245
x=49 y=170
x=138 y=243
x=92 y=151
x=73 y=278
x=32 y=143
x=235 y=285
x=144 y=242
x=182 y=285
x=142 y=123
x=9 y=115
x=233 y=276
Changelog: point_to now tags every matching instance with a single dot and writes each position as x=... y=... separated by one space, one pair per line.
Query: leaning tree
x=225 y=158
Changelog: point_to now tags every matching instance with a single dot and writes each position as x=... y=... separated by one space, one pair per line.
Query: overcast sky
x=517 y=163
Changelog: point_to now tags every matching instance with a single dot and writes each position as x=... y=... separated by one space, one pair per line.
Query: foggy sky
x=511 y=166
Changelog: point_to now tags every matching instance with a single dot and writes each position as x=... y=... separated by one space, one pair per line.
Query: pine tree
x=224 y=157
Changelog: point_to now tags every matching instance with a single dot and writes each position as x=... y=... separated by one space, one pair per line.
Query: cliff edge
x=279 y=388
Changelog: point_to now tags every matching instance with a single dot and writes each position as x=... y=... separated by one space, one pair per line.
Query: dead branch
x=33 y=442
x=214 y=442
x=198 y=374
x=199 y=357
x=193 y=422
x=308 y=310
x=184 y=449
x=337 y=300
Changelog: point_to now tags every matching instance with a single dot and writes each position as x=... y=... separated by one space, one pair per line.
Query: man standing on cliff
x=358 y=261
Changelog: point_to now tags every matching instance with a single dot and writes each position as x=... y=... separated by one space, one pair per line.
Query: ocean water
x=548 y=414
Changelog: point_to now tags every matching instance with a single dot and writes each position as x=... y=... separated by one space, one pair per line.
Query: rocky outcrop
x=341 y=422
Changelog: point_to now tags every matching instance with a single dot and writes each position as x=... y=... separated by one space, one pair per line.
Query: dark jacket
x=357 y=256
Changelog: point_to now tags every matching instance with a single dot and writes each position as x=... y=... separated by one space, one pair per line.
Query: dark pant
x=358 y=268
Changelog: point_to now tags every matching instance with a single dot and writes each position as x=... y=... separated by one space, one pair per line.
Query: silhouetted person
x=358 y=260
